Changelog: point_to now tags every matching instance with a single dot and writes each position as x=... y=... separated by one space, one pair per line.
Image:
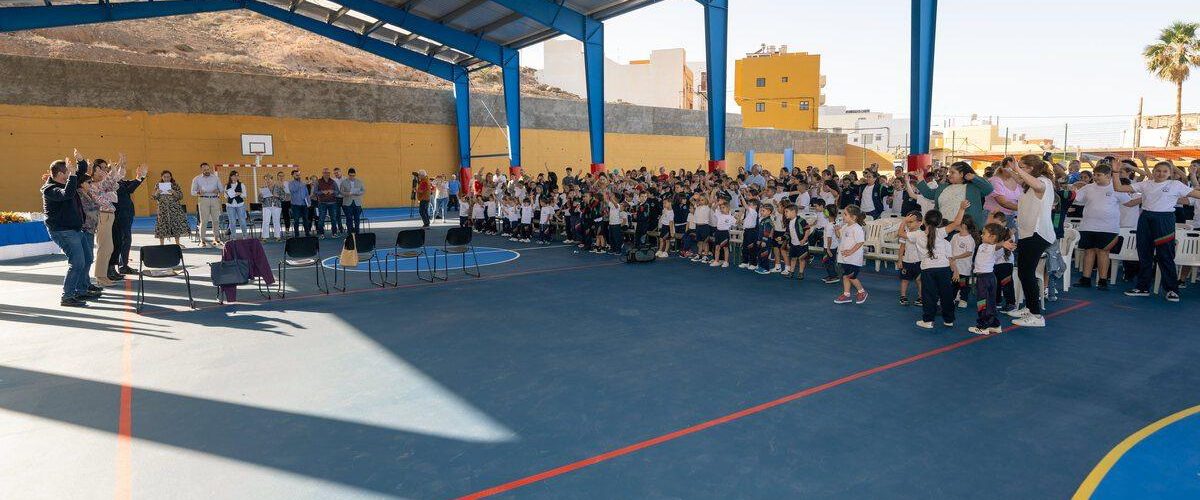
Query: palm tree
x=1171 y=59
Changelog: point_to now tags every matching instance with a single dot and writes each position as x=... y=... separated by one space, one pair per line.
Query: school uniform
x=1101 y=217
x=962 y=243
x=986 y=286
x=1156 y=232
x=750 y=236
x=852 y=234
x=936 y=283
x=1004 y=261
x=798 y=243
x=616 y=227
x=724 y=222
x=830 y=244
x=545 y=227
x=477 y=215
x=703 y=219
x=526 y=221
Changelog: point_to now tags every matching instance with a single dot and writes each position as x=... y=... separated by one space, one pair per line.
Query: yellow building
x=778 y=89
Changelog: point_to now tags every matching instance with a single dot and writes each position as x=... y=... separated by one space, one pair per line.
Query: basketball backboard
x=257 y=145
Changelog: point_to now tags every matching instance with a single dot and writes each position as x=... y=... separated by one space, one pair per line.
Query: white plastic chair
x=1070 y=240
x=1187 y=253
x=1128 y=251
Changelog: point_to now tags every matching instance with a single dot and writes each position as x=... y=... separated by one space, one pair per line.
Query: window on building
x=868 y=139
x=760 y=107
x=803 y=105
x=878 y=137
x=785 y=79
x=760 y=82
x=783 y=104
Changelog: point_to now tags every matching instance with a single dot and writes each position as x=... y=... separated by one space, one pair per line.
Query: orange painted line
x=124 y=480
x=609 y=455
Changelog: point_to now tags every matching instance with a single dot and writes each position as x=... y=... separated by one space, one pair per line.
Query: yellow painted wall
x=383 y=153
x=803 y=72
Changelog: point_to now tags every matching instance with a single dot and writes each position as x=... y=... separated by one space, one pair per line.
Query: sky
x=1029 y=62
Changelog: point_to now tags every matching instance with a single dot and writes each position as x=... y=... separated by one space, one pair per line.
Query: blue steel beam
x=416 y=60
x=468 y=43
x=431 y=65
x=53 y=16
x=591 y=33
x=716 y=37
x=924 y=25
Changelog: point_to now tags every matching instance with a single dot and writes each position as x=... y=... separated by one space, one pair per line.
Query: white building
x=699 y=84
x=1153 y=133
x=869 y=129
x=664 y=80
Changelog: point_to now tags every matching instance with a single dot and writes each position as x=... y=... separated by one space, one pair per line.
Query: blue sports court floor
x=571 y=375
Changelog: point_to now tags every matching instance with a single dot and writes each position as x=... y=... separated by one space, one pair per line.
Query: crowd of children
x=783 y=223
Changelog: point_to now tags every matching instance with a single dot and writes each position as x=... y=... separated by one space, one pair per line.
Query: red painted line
x=124 y=462
x=574 y=466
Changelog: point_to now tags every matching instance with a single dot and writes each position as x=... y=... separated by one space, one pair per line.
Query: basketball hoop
x=258 y=146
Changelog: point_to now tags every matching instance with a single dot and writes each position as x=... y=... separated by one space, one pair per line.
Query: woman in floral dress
x=172 y=219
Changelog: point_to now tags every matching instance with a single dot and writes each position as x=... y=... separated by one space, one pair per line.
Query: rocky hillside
x=238 y=41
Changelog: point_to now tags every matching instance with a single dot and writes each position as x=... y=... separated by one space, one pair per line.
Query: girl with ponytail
x=930 y=241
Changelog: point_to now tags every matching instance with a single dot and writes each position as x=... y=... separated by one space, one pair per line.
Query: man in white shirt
x=207 y=188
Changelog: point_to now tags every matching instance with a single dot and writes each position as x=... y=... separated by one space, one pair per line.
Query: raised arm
x=1030 y=181
x=985 y=186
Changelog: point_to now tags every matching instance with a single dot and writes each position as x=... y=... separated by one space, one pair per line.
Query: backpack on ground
x=641 y=254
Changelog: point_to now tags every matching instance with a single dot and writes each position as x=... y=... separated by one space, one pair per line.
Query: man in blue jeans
x=64 y=222
x=298 y=191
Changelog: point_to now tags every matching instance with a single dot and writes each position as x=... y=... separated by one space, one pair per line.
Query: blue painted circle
x=488 y=256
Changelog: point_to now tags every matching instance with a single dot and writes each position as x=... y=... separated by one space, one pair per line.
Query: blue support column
x=924 y=26
x=557 y=15
x=512 y=108
x=716 y=37
x=593 y=58
x=462 y=124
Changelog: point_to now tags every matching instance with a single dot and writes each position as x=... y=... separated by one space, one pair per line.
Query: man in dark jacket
x=123 y=226
x=64 y=222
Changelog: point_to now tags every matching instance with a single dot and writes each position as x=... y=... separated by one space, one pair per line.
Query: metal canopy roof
x=481 y=18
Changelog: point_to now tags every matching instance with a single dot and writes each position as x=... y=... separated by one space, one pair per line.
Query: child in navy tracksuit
x=996 y=242
x=766 y=239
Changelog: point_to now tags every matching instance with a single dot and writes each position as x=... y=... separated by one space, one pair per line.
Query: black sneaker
x=1084 y=282
x=72 y=302
x=94 y=288
x=1102 y=285
x=919 y=302
x=904 y=300
x=1136 y=292
x=1172 y=296
x=126 y=270
x=89 y=296
x=115 y=277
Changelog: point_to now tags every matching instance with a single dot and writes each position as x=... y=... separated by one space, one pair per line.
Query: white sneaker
x=744 y=265
x=776 y=269
x=1032 y=320
x=928 y=325
x=980 y=331
x=962 y=304
x=787 y=270
x=994 y=330
x=715 y=263
x=724 y=264
x=1018 y=313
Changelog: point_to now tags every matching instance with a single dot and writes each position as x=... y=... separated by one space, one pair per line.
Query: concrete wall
x=175 y=119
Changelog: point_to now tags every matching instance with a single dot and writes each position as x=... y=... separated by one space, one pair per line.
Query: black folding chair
x=364 y=243
x=161 y=261
x=300 y=252
x=410 y=244
x=458 y=241
x=254 y=219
